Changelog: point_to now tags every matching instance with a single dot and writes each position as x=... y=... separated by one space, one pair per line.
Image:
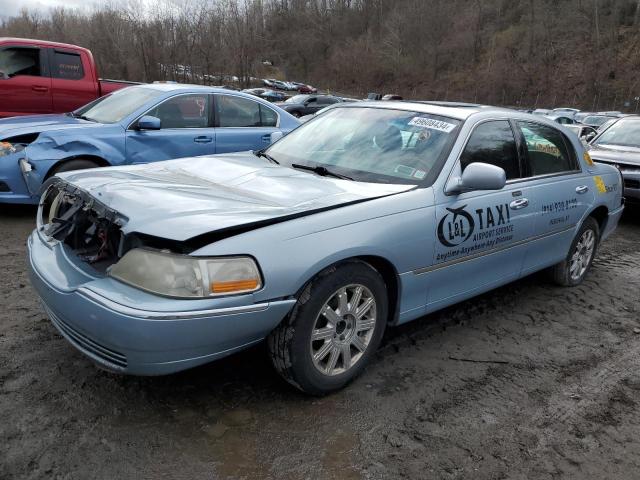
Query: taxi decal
x=483 y=227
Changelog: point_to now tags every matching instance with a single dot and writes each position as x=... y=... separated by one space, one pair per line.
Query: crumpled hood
x=180 y=199
x=615 y=154
x=13 y=126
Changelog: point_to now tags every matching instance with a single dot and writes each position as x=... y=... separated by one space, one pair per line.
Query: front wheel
x=572 y=270
x=333 y=330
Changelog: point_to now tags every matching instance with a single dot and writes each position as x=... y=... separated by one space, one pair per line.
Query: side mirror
x=478 y=176
x=275 y=136
x=589 y=136
x=149 y=123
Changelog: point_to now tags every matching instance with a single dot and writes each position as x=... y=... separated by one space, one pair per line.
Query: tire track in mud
x=541 y=412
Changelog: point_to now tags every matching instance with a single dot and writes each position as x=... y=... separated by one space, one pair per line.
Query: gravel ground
x=528 y=381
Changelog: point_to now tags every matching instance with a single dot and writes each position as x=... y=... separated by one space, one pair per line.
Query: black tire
x=77 y=164
x=561 y=272
x=290 y=344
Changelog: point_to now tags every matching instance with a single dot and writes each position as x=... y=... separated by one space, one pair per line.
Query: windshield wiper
x=263 y=154
x=81 y=117
x=320 y=170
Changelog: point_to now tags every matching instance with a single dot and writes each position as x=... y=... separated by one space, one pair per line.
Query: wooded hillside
x=539 y=53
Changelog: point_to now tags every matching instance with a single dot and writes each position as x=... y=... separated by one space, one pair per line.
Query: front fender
x=50 y=150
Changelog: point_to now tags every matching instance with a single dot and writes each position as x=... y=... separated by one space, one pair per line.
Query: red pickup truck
x=48 y=77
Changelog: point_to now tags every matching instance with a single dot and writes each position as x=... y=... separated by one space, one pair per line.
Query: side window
x=67 y=66
x=268 y=118
x=493 y=142
x=234 y=111
x=184 y=111
x=547 y=151
x=325 y=101
x=16 y=61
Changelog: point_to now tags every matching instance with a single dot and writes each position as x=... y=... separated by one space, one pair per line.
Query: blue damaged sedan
x=365 y=217
x=139 y=124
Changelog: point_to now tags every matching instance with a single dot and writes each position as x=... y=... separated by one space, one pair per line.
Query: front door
x=243 y=124
x=481 y=235
x=25 y=84
x=185 y=131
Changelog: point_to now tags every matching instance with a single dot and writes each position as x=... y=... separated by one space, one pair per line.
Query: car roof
x=45 y=43
x=168 y=87
x=457 y=110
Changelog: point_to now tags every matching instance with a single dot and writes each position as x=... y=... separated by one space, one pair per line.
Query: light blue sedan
x=369 y=215
x=139 y=124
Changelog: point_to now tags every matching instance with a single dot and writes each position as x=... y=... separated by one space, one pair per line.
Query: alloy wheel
x=343 y=329
x=582 y=255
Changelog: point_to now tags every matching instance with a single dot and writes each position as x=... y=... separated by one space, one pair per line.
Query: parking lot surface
x=528 y=381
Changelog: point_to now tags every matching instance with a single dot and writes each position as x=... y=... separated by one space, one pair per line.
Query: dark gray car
x=619 y=145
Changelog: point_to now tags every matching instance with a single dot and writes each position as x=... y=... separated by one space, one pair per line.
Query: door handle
x=266 y=138
x=582 y=189
x=203 y=139
x=518 y=204
x=37 y=88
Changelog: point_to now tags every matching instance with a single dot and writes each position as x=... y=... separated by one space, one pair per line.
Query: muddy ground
x=529 y=381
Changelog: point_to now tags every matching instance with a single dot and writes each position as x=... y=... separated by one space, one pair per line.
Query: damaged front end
x=88 y=227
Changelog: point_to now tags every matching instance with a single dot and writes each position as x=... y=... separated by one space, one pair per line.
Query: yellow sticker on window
x=588 y=159
x=599 y=184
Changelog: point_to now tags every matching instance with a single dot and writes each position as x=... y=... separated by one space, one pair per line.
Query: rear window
x=67 y=66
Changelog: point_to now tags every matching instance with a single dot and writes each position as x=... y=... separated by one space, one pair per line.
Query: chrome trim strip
x=135 y=312
x=439 y=266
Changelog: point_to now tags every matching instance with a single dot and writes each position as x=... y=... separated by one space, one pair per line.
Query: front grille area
x=113 y=359
x=4 y=187
x=631 y=183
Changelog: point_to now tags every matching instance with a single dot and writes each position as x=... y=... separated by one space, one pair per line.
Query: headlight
x=8 y=148
x=185 y=276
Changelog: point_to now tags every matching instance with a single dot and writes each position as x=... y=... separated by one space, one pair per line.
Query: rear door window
x=15 y=61
x=268 y=118
x=232 y=111
x=493 y=143
x=547 y=150
x=67 y=66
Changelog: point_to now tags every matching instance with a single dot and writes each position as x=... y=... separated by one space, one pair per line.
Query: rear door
x=186 y=130
x=481 y=235
x=72 y=85
x=242 y=124
x=560 y=189
x=25 y=84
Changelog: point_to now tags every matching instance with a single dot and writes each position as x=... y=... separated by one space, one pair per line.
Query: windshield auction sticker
x=432 y=124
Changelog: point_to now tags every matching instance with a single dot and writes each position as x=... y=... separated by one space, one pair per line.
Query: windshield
x=371 y=144
x=624 y=133
x=297 y=99
x=118 y=105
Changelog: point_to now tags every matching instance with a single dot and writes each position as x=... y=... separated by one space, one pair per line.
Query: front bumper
x=13 y=188
x=130 y=331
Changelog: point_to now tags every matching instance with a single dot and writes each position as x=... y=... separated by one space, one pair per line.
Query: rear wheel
x=572 y=270
x=333 y=330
